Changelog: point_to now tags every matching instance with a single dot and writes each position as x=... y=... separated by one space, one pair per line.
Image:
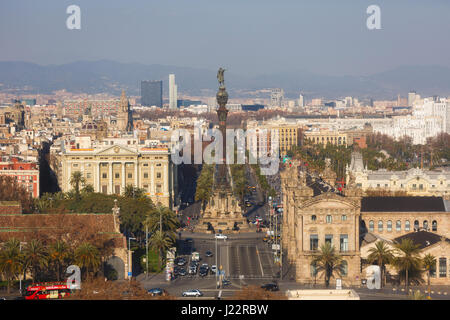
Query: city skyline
x=325 y=38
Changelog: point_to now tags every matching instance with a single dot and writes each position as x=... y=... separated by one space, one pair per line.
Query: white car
x=192 y=293
x=221 y=236
x=213 y=268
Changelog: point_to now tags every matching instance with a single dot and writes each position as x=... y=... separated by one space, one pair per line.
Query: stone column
x=69 y=172
x=110 y=178
x=152 y=178
x=95 y=164
x=123 y=174
x=136 y=177
x=99 y=177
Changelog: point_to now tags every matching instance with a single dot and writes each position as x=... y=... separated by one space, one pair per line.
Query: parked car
x=221 y=236
x=213 y=269
x=226 y=282
x=182 y=272
x=208 y=254
x=192 y=293
x=181 y=261
x=156 y=291
x=270 y=287
x=203 y=272
x=193 y=270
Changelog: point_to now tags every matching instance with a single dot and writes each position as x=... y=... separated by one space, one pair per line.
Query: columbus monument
x=222 y=211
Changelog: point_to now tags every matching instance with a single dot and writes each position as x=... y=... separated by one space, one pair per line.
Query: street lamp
x=130 y=269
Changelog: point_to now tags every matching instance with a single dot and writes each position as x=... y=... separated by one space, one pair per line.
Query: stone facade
x=310 y=219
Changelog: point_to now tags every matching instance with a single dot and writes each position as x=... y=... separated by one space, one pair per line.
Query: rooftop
x=402 y=204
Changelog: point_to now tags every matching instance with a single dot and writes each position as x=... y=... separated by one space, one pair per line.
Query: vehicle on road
x=226 y=282
x=213 y=269
x=192 y=293
x=208 y=254
x=195 y=256
x=182 y=272
x=47 y=290
x=221 y=236
x=156 y=291
x=248 y=204
x=270 y=287
x=193 y=270
x=180 y=261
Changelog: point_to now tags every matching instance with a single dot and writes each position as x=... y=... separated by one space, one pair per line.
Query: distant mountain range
x=112 y=77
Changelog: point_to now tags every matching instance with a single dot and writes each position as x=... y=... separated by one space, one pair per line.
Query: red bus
x=48 y=290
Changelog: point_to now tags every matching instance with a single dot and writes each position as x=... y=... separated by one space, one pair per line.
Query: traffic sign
x=130 y=274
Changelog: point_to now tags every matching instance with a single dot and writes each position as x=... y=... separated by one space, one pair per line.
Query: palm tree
x=130 y=191
x=58 y=254
x=429 y=263
x=408 y=258
x=161 y=241
x=382 y=255
x=162 y=219
x=10 y=263
x=76 y=180
x=87 y=256
x=35 y=257
x=328 y=262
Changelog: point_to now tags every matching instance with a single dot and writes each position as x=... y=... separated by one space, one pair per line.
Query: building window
x=421 y=186
x=343 y=242
x=442 y=267
x=313 y=270
x=313 y=217
x=398 y=225
x=145 y=175
x=425 y=225
x=389 y=226
x=329 y=239
x=371 y=226
x=407 y=225
x=416 y=225
x=344 y=217
x=329 y=219
x=344 y=272
x=313 y=242
x=380 y=226
x=104 y=175
x=434 y=225
x=158 y=175
x=117 y=175
x=130 y=175
x=88 y=175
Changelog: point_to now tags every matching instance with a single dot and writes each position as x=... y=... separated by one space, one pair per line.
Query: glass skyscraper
x=151 y=93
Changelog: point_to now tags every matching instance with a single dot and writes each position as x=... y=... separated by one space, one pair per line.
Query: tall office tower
x=151 y=93
x=172 y=92
x=276 y=98
x=411 y=98
x=301 y=101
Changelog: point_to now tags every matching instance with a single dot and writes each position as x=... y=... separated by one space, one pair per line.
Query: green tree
x=11 y=261
x=160 y=241
x=328 y=262
x=58 y=254
x=204 y=185
x=130 y=191
x=408 y=258
x=429 y=263
x=87 y=256
x=88 y=188
x=381 y=255
x=162 y=219
x=35 y=258
x=76 y=180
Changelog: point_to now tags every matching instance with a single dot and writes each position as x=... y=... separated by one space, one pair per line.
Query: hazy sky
x=246 y=36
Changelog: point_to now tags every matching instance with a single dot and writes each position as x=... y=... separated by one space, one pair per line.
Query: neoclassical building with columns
x=314 y=214
x=111 y=166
